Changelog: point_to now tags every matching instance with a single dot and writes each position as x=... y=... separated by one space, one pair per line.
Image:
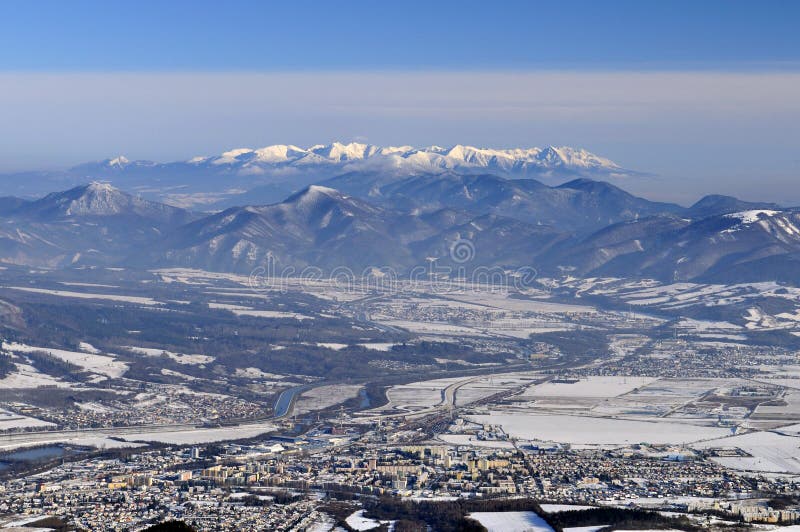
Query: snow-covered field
x=94 y=285
x=472 y=441
x=789 y=409
x=180 y=358
x=711 y=329
x=771 y=452
x=324 y=396
x=228 y=306
x=379 y=346
x=201 y=435
x=86 y=347
x=599 y=386
x=425 y=327
x=679 y=295
x=675 y=391
x=85 y=295
x=357 y=521
x=241 y=310
x=706 y=325
x=100 y=364
x=26 y=376
x=596 y=431
x=10 y=420
x=476 y=313
x=502 y=300
x=272 y=314
x=552 y=508
x=255 y=373
x=331 y=345
x=649 y=293
x=86 y=439
x=511 y=521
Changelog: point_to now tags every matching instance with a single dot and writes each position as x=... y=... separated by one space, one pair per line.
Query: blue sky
x=703 y=94
x=147 y=35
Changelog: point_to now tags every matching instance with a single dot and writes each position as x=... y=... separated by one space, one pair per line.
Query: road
x=448 y=400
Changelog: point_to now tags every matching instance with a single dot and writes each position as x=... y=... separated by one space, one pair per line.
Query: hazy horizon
x=702 y=96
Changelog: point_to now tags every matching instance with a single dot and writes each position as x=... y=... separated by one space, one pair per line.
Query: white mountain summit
x=272 y=173
x=357 y=156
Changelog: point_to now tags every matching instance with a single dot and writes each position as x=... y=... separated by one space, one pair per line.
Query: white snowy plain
x=511 y=521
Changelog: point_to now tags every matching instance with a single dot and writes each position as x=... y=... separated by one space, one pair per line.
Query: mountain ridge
x=412 y=223
x=459 y=155
x=219 y=180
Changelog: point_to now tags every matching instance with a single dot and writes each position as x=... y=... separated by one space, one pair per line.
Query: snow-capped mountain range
x=357 y=156
x=273 y=172
x=358 y=204
x=586 y=227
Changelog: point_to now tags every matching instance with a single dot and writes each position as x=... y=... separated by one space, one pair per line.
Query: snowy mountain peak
x=319 y=189
x=99 y=199
x=346 y=152
x=313 y=194
x=231 y=156
x=97 y=187
x=278 y=153
x=118 y=161
x=752 y=216
x=356 y=156
x=96 y=199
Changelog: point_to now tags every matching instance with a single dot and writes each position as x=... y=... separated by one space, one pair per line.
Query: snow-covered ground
x=490 y=385
x=771 y=452
x=324 y=396
x=201 y=435
x=503 y=300
x=357 y=521
x=26 y=376
x=86 y=439
x=228 y=306
x=675 y=296
x=88 y=348
x=429 y=327
x=511 y=521
x=85 y=295
x=331 y=345
x=241 y=310
x=552 y=508
x=379 y=346
x=596 y=386
x=20 y=522
x=596 y=431
x=472 y=441
x=180 y=358
x=100 y=364
x=10 y=420
x=706 y=325
x=94 y=285
x=418 y=395
x=272 y=314
x=255 y=373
